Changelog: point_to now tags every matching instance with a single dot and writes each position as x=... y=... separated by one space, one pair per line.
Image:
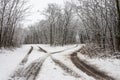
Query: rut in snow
x=97 y=74
x=30 y=72
x=66 y=68
x=25 y=59
x=43 y=50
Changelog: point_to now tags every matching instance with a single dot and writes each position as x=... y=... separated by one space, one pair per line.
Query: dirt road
x=32 y=70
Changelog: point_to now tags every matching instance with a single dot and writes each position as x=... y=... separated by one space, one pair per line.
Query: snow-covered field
x=9 y=62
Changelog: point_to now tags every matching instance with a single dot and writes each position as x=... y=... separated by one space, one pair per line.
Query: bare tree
x=11 y=13
x=58 y=28
x=118 y=25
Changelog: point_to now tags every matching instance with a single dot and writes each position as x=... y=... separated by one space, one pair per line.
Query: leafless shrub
x=93 y=50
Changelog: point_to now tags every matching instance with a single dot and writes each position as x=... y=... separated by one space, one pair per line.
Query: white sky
x=38 y=6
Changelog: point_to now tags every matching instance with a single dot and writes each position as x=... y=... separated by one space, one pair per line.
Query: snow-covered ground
x=52 y=48
x=10 y=59
x=110 y=66
x=64 y=57
x=9 y=62
x=50 y=71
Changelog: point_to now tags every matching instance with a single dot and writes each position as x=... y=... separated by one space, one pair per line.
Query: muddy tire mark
x=30 y=72
x=99 y=75
x=25 y=59
x=43 y=50
x=66 y=68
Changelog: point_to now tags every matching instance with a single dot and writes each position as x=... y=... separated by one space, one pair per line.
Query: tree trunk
x=118 y=27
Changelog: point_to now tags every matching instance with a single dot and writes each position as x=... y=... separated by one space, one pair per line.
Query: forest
x=76 y=40
x=77 y=22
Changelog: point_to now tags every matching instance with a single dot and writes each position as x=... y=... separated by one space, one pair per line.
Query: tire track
x=88 y=69
x=63 y=50
x=43 y=50
x=66 y=68
x=25 y=59
x=17 y=72
x=62 y=65
x=31 y=71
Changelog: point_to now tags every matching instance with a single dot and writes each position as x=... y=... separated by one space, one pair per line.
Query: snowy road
x=31 y=71
x=47 y=63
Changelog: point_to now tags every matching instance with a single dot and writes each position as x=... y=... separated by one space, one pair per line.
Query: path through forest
x=33 y=70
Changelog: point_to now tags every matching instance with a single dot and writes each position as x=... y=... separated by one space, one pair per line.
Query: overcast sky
x=38 y=6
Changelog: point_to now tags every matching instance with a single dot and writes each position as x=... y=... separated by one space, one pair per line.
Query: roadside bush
x=93 y=50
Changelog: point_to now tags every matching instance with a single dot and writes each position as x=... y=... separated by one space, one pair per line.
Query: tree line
x=95 y=21
x=78 y=21
x=11 y=13
x=57 y=29
x=101 y=22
